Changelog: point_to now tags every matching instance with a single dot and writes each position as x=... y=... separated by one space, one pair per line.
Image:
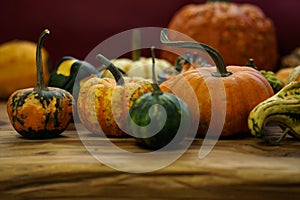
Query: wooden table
x=62 y=168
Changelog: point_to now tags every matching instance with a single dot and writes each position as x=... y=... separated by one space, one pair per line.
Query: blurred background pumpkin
x=86 y=24
x=17 y=66
x=237 y=31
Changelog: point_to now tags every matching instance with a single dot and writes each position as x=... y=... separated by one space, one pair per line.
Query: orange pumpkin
x=237 y=31
x=103 y=103
x=244 y=88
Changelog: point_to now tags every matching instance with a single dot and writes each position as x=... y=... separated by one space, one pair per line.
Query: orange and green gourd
x=40 y=112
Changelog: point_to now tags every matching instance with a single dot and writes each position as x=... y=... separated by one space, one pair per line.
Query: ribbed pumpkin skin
x=102 y=104
x=244 y=89
x=175 y=110
x=237 y=31
x=40 y=114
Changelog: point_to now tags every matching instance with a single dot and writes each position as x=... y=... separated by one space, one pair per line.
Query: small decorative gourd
x=103 y=103
x=65 y=74
x=244 y=88
x=40 y=112
x=166 y=113
x=283 y=109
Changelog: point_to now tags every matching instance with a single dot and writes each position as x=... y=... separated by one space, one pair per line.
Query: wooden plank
x=62 y=168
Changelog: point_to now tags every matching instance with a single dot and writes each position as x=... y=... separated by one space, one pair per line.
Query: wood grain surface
x=62 y=168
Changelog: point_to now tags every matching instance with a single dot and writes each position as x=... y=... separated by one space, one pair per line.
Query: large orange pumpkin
x=103 y=103
x=243 y=89
x=237 y=31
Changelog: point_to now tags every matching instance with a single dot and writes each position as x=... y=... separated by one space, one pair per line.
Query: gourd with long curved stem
x=40 y=112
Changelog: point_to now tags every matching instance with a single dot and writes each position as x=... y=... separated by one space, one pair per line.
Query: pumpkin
x=103 y=103
x=65 y=73
x=243 y=89
x=168 y=114
x=17 y=66
x=237 y=31
x=40 y=112
x=283 y=109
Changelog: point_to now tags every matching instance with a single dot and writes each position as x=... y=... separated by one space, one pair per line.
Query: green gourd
x=166 y=111
x=65 y=74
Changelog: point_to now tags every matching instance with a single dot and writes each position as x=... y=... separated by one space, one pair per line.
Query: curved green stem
x=112 y=68
x=157 y=90
x=39 y=62
x=222 y=71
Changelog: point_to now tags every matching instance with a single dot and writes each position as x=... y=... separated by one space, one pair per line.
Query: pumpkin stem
x=136 y=45
x=251 y=63
x=112 y=68
x=156 y=88
x=39 y=62
x=220 y=64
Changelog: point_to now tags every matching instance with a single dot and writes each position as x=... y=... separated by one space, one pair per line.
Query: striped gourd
x=155 y=118
x=283 y=108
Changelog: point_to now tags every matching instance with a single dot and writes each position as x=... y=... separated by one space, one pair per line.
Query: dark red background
x=78 y=26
